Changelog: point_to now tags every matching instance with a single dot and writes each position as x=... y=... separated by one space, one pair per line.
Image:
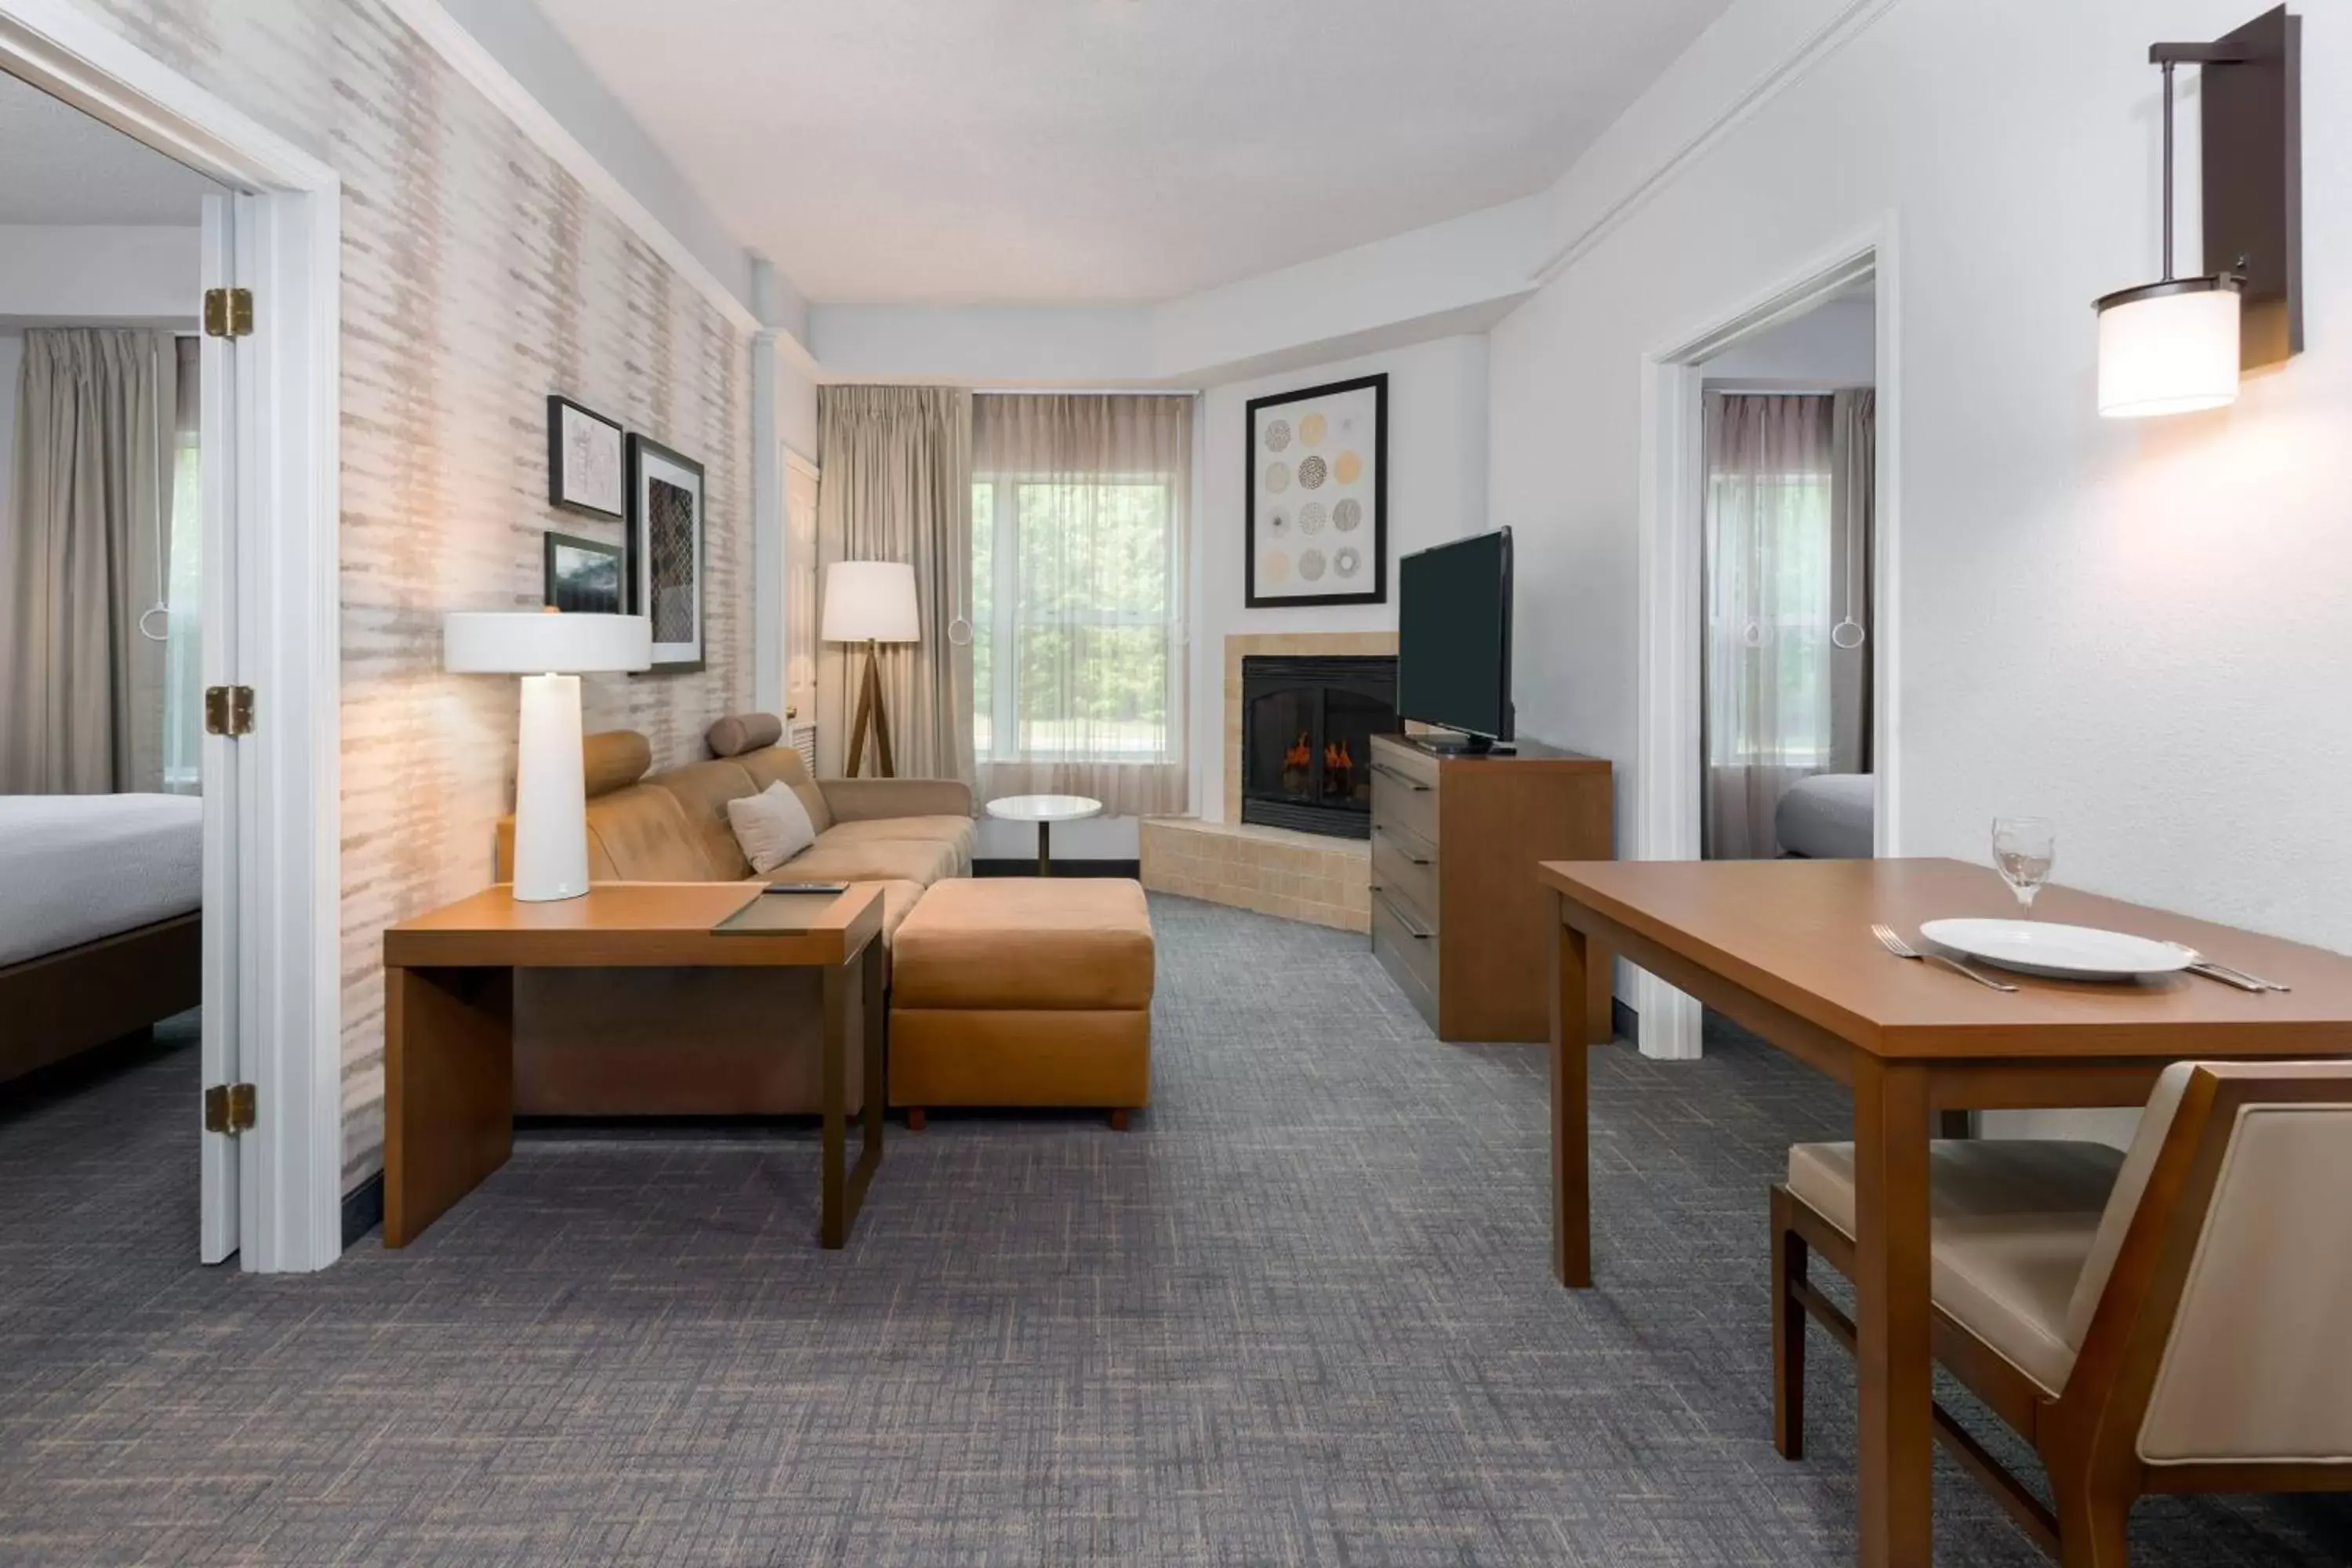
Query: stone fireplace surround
x=1297 y=875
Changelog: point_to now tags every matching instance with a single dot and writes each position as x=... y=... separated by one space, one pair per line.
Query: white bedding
x=75 y=868
x=1828 y=816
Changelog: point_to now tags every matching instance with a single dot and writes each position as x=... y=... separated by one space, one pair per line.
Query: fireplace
x=1307 y=726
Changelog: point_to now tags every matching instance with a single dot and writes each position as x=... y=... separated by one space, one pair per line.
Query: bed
x=1828 y=817
x=101 y=919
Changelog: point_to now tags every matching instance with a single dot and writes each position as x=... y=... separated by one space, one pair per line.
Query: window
x=1079 y=554
x=1072 y=611
x=1771 y=598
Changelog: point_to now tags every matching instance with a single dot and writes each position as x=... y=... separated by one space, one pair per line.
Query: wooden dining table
x=1784 y=948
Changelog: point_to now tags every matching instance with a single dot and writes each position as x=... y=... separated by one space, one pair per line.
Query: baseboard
x=1130 y=869
x=1624 y=1022
x=363 y=1208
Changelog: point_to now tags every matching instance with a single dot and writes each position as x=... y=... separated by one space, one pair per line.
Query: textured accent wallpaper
x=477 y=278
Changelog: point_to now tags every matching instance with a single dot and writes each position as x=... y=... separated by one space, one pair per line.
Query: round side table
x=1045 y=810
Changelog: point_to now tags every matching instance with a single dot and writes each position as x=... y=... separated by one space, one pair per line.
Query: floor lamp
x=872 y=602
x=548 y=649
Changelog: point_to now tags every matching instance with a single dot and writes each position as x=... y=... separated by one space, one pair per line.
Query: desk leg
x=1571 y=1157
x=1891 y=1124
x=448 y=1089
x=843 y=1191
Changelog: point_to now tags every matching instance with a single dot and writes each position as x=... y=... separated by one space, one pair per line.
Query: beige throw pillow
x=772 y=827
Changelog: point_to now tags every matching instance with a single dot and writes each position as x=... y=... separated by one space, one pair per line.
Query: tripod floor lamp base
x=871 y=710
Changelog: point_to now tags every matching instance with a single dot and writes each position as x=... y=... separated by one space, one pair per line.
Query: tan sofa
x=710 y=1042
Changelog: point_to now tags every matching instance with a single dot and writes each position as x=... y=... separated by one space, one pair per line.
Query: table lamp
x=872 y=602
x=548 y=649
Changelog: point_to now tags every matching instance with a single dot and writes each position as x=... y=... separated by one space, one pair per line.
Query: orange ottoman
x=1021 y=990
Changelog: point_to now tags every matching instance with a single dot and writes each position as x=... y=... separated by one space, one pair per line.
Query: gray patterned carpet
x=1300 y=1315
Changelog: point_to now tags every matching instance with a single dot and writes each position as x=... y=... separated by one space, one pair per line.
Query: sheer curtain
x=183 y=664
x=81 y=689
x=1770 y=605
x=1081 y=523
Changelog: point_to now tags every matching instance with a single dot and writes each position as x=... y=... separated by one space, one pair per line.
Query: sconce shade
x=870 y=601
x=540 y=642
x=2168 y=348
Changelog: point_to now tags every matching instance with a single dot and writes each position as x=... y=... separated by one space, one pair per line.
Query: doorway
x=254 y=704
x=1783 y=710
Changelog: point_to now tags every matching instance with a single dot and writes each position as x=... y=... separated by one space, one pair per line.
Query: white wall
x=1437 y=491
x=2138 y=630
x=91 y=275
x=1836 y=344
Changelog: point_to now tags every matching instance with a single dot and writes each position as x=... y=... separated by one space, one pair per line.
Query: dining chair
x=2166 y=1319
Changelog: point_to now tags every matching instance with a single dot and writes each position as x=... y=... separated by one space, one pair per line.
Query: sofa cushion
x=772 y=763
x=613 y=760
x=1026 y=943
x=771 y=826
x=956 y=832
x=640 y=835
x=703 y=790
x=920 y=860
x=740 y=732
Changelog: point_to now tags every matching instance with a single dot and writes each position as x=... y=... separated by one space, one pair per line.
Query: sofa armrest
x=864 y=800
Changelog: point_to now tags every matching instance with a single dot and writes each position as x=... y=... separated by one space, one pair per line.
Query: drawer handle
x=1407 y=780
x=1409 y=855
x=1398 y=915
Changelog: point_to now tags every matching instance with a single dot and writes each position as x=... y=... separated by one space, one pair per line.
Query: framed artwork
x=583 y=459
x=1318 y=522
x=666 y=555
x=584 y=576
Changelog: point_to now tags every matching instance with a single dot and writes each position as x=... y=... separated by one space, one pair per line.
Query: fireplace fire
x=1307 y=729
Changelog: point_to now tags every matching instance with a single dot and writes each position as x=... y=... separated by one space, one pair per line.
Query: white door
x=221 y=1187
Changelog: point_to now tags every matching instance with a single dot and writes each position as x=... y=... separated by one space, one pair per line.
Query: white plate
x=2062 y=952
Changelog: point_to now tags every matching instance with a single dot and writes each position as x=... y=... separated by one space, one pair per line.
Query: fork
x=1901 y=948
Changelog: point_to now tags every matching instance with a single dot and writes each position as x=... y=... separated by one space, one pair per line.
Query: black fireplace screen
x=1307 y=740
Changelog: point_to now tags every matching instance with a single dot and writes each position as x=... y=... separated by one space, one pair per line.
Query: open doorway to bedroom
x=1758 y=571
x=102 y=676
x=1786 y=460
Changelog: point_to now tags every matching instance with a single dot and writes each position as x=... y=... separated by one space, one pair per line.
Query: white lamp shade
x=2169 y=353
x=870 y=601
x=543 y=643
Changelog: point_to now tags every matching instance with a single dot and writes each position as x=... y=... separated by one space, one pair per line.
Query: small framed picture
x=665 y=553
x=583 y=459
x=584 y=576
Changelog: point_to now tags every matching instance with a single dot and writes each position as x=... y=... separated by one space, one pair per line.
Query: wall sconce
x=2176 y=345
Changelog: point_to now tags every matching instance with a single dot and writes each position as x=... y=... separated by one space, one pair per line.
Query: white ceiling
x=1070 y=151
x=57 y=165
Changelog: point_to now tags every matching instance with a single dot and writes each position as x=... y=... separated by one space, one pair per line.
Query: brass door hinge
x=228 y=711
x=228 y=1108
x=228 y=312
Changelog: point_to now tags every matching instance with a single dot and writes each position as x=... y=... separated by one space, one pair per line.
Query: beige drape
x=80 y=689
x=1080 y=551
x=897 y=486
x=1853 y=466
x=1768 y=612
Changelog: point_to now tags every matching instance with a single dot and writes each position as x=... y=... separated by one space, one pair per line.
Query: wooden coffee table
x=448 y=1019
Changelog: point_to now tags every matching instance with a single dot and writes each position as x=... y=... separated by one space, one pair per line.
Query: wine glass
x=2024 y=848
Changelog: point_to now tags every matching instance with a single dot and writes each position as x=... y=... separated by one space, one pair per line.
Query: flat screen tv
x=1453 y=638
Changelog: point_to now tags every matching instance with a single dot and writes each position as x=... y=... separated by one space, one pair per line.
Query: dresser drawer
x=1411 y=960
x=1406 y=866
x=1402 y=796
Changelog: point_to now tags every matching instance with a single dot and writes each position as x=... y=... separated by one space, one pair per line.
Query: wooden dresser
x=1458 y=916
